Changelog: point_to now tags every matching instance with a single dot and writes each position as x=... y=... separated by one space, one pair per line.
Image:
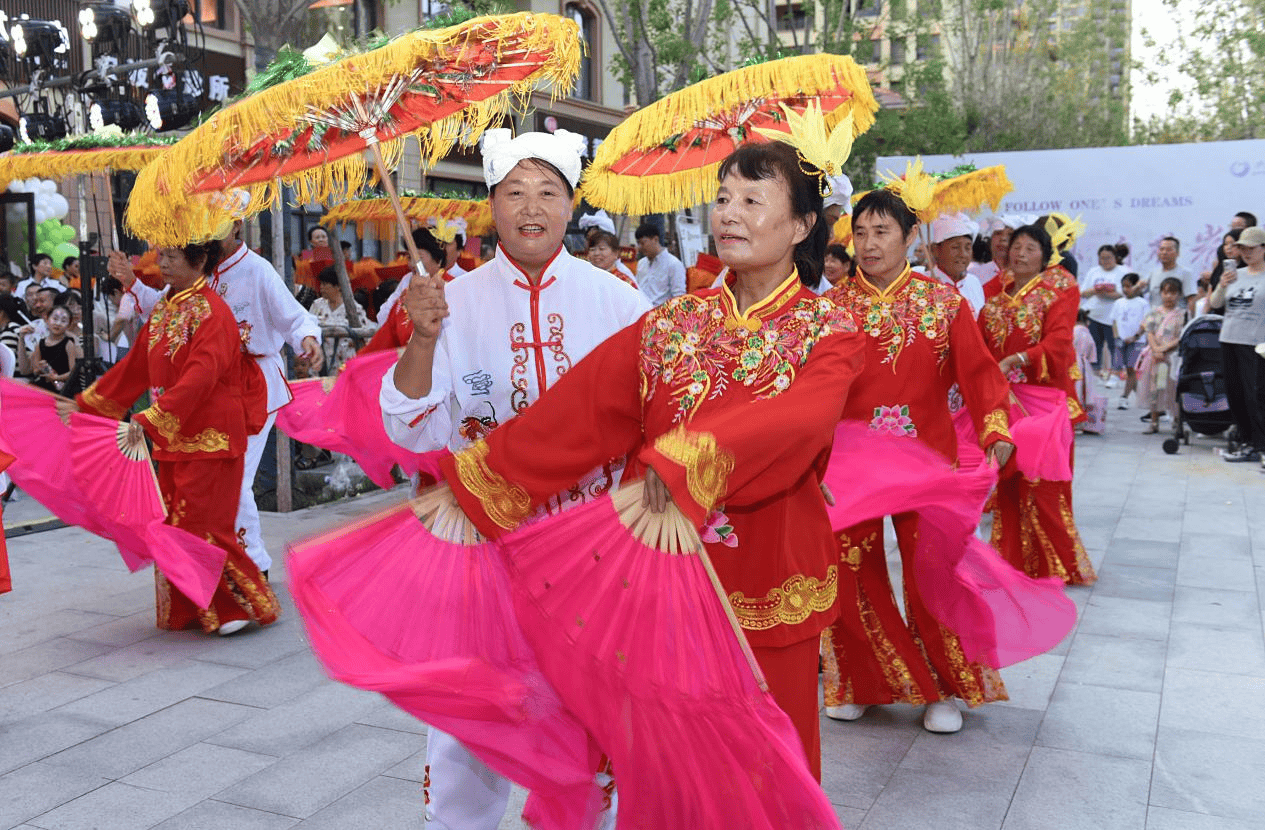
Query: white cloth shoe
x=943 y=717
x=1112 y=381
x=232 y=627
x=846 y=711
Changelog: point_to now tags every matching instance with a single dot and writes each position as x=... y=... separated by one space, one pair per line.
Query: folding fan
x=631 y=627
x=1001 y=615
x=391 y=607
x=1039 y=427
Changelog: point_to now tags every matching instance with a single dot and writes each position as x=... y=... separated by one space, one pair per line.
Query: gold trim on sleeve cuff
x=707 y=465
x=505 y=503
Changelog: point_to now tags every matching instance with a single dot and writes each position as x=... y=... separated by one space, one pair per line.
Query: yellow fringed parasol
x=311 y=132
x=664 y=157
x=76 y=157
x=378 y=214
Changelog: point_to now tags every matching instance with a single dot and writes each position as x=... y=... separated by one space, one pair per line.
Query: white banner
x=1135 y=195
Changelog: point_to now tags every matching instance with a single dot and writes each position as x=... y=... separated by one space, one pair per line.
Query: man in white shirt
x=952 y=237
x=486 y=346
x=269 y=317
x=1168 y=251
x=41 y=275
x=660 y=276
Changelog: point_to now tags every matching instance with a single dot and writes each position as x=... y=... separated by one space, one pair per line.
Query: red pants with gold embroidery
x=873 y=654
x=202 y=498
x=791 y=672
x=1034 y=530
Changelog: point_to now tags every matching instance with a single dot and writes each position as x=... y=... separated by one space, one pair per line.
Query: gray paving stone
x=1213 y=649
x=304 y=720
x=382 y=802
x=1134 y=582
x=1120 y=616
x=859 y=758
x=113 y=807
x=389 y=716
x=45 y=657
x=37 y=788
x=136 y=698
x=138 y=599
x=324 y=772
x=142 y=742
x=412 y=768
x=1214 y=702
x=998 y=738
x=1215 y=572
x=1142 y=553
x=257 y=647
x=1031 y=682
x=199 y=770
x=958 y=798
x=42 y=735
x=1220 y=607
x=123 y=631
x=1101 y=720
x=47 y=691
x=273 y=684
x=1218 y=775
x=22 y=633
x=1115 y=661
x=216 y=815
x=1077 y=789
x=169 y=648
x=1224 y=545
x=1162 y=818
x=1149 y=528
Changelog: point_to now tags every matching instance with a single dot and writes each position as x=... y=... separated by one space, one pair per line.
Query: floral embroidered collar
x=757 y=313
x=891 y=290
x=181 y=296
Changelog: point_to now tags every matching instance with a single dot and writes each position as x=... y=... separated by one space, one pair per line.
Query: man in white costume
x=952 y=236
x=269 y=317
x=484 y=347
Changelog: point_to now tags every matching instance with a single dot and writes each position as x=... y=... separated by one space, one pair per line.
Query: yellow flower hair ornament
x=826 y=153
x=916 y=188
x=1063 y=230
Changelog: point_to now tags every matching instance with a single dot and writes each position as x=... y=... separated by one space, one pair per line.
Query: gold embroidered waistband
x=505 y=503
x=797 y=599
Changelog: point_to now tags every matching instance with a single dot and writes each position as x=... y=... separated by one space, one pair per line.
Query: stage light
x=104 y=23
x=7 y=138
x=159 y=18
x=168 y=109
x=144 y=11
x=40 y=126
x=41 y=43
x=125 y=114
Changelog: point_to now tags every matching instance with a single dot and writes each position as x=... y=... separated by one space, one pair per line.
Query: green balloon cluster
x=52 y=237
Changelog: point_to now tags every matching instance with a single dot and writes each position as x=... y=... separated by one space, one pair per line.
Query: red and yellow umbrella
x=311 y=132
x=665 y=156
x=378 y=214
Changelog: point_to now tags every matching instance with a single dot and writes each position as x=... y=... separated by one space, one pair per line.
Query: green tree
x=664 y=45
x=1219 y=53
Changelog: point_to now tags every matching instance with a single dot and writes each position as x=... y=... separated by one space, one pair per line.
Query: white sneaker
x=1112 y=381
x=943 y=717
x=232 y=627
x=1124 y=402
x=846 y=711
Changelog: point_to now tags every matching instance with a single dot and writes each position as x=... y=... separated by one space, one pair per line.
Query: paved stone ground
x=1151 y=715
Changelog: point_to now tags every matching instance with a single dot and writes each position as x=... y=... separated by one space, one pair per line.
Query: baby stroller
x=1202 y=405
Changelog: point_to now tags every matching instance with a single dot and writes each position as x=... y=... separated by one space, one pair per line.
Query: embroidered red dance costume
x=206 y=395
x=737 y=420
x=921 y=339
x=1032 y=520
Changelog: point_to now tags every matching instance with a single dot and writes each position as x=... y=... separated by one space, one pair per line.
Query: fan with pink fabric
x=1001 y=615
x=342 y=415
x=1039 y=427
x=631 y=626
x=392 y=608
x=91 y=475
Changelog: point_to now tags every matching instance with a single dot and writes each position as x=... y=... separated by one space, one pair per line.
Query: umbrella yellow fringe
x=63 y=163
x=379 y=215
x=280 y=109
x=650 y=126
x=967 y=192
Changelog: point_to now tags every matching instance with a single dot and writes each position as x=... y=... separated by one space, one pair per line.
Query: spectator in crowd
x=951 y=242
x=317 y=244
x=8 y=283
x=837 y=264
x=1083 y=345
x=1169 y=249
x=1127 y=315
x=1241 y=292
x=331 y=312
x=111 y=330
x=55 y=354
x=603 y=251
x=70 y=273
x=1203 y=293
x=1000 y=228
x=660 y=275
x=1229 y=250
x=1162 y=329
x=10 y=322
x=1100 y=288
x=41 y=303
x=74 y=303
x=1242 y=220
x=41 y=274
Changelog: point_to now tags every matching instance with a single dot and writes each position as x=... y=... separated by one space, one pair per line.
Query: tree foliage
x=1219 y=54
x=664 y=45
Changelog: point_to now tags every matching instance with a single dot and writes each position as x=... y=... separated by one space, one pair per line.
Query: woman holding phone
x=1241 y=293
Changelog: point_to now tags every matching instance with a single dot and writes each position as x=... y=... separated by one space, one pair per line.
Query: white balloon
x=60 y=206
x=41 y=215
x=17 y=186
x=32 y=185
x=48 y=186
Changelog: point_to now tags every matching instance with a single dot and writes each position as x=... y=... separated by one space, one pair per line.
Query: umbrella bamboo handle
x=384 y=176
